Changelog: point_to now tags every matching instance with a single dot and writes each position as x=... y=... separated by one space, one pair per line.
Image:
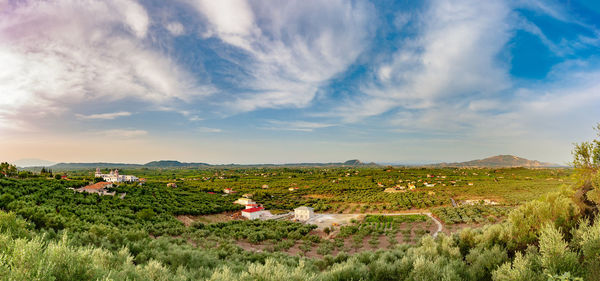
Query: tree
x=586 y=161
x=8 y=169
x=146 y=214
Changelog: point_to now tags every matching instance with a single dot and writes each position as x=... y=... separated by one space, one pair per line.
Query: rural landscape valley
x=299 y=140
x=169 y=220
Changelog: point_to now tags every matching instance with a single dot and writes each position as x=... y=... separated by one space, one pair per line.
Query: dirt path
x=439 y=224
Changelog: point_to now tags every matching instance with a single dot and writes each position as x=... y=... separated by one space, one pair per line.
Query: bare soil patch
x=187 y=220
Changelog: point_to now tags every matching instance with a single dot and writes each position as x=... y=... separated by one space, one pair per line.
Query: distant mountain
x=354 y=162
x=177 y=164
x=30 y=162
x=174 y=164
x=500 y=161
x=76 y=166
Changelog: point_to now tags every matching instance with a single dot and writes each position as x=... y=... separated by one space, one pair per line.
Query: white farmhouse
x=244 y=201
x=114 y=176
x=304 y=213
x=253 y=213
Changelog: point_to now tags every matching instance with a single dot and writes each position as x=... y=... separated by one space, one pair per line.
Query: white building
x=253 y=213
x=114 y=176
x=304 y=213
x=244 y=201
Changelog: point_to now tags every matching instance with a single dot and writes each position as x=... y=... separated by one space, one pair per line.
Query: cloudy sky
x=236 y=81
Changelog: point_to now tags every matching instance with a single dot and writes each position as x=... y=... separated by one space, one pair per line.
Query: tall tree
x=586 y=161
x=8 y=169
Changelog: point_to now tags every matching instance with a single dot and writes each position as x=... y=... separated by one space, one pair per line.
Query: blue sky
x=293 y=81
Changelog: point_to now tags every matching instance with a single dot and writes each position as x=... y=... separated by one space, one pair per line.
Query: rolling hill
x=172 y=164
x=500 y=161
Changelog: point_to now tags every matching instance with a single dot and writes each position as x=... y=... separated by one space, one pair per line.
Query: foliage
x=52 y=232
x=471 y=213
x=8 y=170
x=395 y=219
x=586 y=161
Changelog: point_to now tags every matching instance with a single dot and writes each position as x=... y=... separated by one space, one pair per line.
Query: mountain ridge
x=178 y=164
x=499 y=161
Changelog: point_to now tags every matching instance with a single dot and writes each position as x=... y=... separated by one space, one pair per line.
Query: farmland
x=360 y=190
x=198 y=210
x=155 y=221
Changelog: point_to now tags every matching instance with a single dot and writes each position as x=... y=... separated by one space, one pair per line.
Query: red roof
x=252 y=210
x=98 y=185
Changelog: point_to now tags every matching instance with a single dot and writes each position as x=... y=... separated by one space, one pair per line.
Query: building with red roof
x=253 y=213
x=98 y=188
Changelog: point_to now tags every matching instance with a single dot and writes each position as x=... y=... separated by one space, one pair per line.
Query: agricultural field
x=197 y=208
x=371 y=232
x=196 y=227
x=360 y=189
x=478 y=214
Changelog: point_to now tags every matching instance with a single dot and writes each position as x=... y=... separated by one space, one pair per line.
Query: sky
x=236 y=81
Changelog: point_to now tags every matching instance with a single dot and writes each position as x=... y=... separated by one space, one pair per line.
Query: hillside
x=31 y=162
x=500 y=161
x=177 y=164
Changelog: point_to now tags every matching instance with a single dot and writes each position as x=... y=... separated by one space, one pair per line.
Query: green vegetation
x=51 y=204
x=360 y=189
x=395 y=219
x=471 y=214
x=50 y=232
x=8 y=170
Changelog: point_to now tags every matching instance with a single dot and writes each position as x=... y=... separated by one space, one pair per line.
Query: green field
x=359 y=189
x=144 y=228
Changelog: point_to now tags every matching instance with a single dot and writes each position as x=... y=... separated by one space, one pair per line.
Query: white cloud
x=485 y=105
x=134 y=15
x=57 y=54
x=294 y=46
x=123 y=133
x=302 y=126
x=175 y=28
x=3 y=5
x=557 y=111
x=453 y=55
x=104 y=116
x=231 y=20
x=208 y=130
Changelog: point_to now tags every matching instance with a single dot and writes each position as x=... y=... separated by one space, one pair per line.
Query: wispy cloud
x=294 y=46
x=57 y=54
x=301 y=126
x=175 y=28
x=439 y=64
x=123 y=133
x=208 y=130
x=104 y=116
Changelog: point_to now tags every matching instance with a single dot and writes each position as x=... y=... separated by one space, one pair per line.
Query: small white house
x=253 y=213
x=244 y=201
x=304 y=213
